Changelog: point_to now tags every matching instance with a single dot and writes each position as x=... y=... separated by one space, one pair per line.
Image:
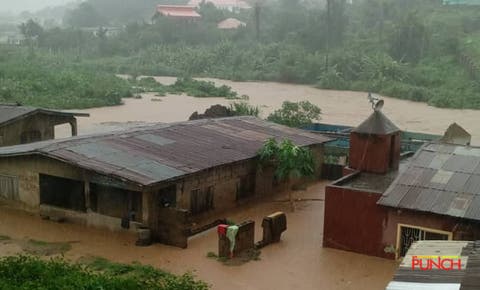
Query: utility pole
x=329 y=2
x=257 y=19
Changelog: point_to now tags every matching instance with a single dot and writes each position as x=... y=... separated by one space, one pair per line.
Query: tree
x=31 y=29
x=409 y=40
x=296 y=114
x=84 y=15
x=291 y=162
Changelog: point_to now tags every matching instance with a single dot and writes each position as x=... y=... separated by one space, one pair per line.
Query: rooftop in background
x=12 y=112
x=156 y=153
x=231 y=23
x=377 y=124
x=178 y=11
x=223 y=4
x=407 y=278
x=442 y=179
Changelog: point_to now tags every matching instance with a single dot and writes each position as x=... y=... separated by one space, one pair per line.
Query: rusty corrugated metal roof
x=441 y=178
x=9 y=113
x=160 y=152
x=465 y=277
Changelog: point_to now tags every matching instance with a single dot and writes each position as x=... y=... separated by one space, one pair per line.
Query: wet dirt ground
x=297 y=262
x=338 y=107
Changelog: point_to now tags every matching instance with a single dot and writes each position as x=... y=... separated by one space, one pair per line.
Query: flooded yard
x=297 y=262
x=338 y=107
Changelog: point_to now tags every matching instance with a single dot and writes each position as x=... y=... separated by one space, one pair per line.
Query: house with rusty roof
x=165 y=176
x=181 y=12
x=437 y=196
x=439 y=265
x=21 y=124
x=385 y=201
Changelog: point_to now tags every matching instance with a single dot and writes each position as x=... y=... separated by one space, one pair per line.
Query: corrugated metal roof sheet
x=378 y=124
x=12 y=112
x=160 y=152
x=448 y=185
x=465 y=278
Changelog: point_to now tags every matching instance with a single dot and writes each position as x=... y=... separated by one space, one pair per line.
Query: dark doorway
x=201 y=200
x=115 y=202
x=168 y=196
x=62 y=192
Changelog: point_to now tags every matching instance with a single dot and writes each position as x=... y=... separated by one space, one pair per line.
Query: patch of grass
x=212 y=255
x=4 y=238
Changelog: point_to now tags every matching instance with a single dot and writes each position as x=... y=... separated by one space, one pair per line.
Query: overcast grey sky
x=29 y=5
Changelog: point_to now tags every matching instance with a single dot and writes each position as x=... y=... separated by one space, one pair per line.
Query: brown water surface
x=338 y=107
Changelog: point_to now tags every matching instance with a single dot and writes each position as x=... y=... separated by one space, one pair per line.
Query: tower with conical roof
x=375 y=145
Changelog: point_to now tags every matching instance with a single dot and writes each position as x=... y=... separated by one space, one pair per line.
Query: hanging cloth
x=232 y=232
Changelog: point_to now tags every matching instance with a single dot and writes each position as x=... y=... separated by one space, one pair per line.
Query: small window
x=9 y=187
x=201 y=200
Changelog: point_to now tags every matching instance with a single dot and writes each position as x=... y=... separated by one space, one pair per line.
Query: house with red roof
x=187 y=12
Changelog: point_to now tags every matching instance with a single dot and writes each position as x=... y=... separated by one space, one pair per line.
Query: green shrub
x=28 y=273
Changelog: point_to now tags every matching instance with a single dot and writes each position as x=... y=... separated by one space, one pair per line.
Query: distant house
x=21 y=125
x=385 y=202
x=185 y=12
x=446 y=276
x=167 y=177
x=231 y=5
x=231 y=23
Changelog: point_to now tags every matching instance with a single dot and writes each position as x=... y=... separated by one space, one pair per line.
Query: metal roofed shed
x=467 y=278
x=168 y=177
x=156 y=153
x=22 y=124
x=441 y=178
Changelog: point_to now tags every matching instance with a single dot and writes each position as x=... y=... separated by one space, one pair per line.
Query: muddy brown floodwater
x=297 y=262
x=338 y=107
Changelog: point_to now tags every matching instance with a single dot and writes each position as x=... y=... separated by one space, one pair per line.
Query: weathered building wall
x=27 y=170
x=11 y=134
x=374 y=153
x=460 y=228
x=353 y=221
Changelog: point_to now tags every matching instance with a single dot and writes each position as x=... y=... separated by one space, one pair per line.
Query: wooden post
x=87 y=195
x=145 y=207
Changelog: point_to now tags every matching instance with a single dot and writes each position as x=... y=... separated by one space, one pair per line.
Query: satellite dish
x=378 y=105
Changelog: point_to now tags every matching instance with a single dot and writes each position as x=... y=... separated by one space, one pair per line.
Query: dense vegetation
x=28 y=273
x=418 y=50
